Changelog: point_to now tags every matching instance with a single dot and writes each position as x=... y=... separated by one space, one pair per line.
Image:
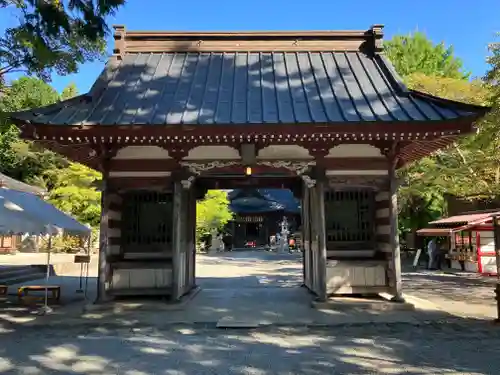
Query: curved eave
x=30 y=115
x=473 y=110
x=419 y=149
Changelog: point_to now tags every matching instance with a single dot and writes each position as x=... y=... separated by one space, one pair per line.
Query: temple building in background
x=258 y=214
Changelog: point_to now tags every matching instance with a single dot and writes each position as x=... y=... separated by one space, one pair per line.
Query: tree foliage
x=415 y=53
x=463 y=169
x=461 y=90
x=212 y=213
x=69 y=91
x=69 y=184
x=18 y=159
x=72 y=191
x=54 y=35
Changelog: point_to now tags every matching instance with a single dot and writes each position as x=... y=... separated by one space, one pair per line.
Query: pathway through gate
x=247 y=287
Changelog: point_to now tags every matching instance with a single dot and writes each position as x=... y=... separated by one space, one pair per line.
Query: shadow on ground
x=152 y=337
x=375 y=349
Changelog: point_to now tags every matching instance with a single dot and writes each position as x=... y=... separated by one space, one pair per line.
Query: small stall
x=470 y=240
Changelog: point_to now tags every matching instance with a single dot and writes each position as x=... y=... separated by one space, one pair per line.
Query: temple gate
x=176 y=113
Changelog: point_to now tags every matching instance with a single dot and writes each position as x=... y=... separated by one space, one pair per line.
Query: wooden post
x=303 y=234
x=192 y=237
x=307 y=232
x=394 y=236
x=102 y=276
x=177 y=235
x=321 y=233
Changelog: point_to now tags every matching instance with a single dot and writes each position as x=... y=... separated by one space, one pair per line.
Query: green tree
x=463 y=169
x=69 y=91
x=54 y=35
x=212 y=213
x=415 y=53
x=461 y=90
x=20 y=159
x=69 y=184
x=435 y=70
x=72 y=191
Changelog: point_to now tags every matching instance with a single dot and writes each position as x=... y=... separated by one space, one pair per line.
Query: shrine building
x=322 y=113
x=258 y=214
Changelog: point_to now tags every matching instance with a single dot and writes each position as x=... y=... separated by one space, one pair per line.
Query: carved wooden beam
x=298 y=166
x=197 y=168
x=372 y=182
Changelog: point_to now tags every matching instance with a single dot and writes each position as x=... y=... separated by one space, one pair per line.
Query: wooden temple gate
x=322 y=113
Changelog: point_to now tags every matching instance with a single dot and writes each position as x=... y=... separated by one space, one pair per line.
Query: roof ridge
x=369 y=40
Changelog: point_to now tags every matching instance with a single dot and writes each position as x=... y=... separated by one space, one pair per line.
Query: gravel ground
x=457 y=345
x=451 y=348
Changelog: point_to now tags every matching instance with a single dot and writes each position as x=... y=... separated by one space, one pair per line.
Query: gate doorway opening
x=246 y=274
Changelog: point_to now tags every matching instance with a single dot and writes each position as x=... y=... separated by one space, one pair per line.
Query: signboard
x=82 y=258
x=462 y=239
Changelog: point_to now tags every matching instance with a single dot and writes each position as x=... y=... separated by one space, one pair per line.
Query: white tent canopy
x=22 y=212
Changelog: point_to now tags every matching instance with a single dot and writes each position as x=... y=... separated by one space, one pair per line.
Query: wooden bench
x=55 y=292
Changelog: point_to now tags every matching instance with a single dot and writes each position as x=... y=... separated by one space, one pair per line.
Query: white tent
x=23 y=212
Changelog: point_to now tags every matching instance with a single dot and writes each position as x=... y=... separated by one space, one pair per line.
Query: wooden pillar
x=307 y=230
x=303 y=219
x=103 y=274
x=320 y=187
x=177 y=234
x=192 y=236
x=394 y=236
x=315 y=193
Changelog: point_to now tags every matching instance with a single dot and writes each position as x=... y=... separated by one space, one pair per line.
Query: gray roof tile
x=248 y=87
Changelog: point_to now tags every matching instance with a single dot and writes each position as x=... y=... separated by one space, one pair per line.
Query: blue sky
x=467 y=25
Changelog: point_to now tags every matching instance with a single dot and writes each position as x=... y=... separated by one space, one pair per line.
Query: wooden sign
x=82 y=258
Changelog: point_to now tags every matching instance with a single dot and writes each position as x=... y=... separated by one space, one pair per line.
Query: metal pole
x=496 y=238
x=46 y=309
x=47 y=274
x=89 y=247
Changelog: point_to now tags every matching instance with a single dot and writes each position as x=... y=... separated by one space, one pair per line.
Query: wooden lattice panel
x=350 y=219
x=147 y=221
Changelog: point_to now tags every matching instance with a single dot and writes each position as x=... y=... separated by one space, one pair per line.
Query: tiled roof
x=271 y=200
x=247 y=87
x=475 y=218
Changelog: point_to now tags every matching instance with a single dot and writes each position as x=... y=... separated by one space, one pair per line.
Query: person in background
x=432 y=253
x=441 y=250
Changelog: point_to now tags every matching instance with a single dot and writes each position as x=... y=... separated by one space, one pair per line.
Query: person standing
x=431 y=252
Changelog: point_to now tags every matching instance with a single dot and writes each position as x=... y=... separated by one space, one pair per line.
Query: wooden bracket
x=318 y=149
x=104 y=153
